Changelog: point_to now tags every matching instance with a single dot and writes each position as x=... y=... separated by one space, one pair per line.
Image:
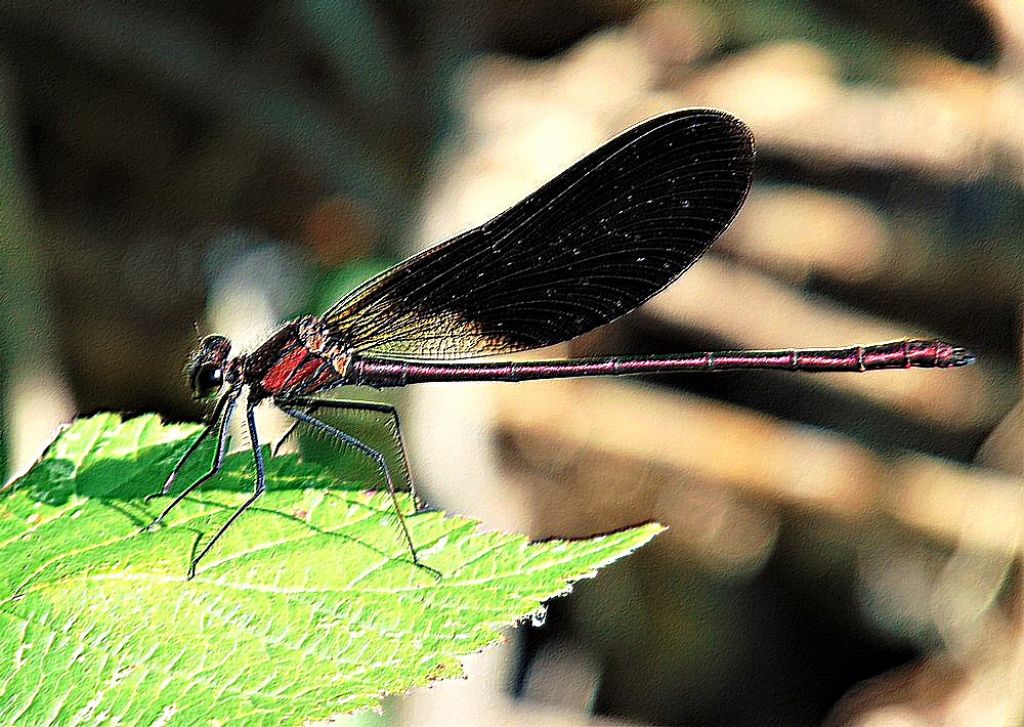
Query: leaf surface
x=308 y=607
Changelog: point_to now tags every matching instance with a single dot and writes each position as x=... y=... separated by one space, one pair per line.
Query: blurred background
x=842 y=550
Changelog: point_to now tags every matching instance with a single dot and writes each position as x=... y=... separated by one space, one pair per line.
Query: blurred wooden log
x=974 y=506
x=798 y=232
x=791 y=96
x=762 y=457
x=1004 y=448
x=1008 y=17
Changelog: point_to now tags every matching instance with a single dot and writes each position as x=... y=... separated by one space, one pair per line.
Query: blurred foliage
x=336 y=284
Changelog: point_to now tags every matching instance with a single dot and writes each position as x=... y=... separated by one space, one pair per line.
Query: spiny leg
x=218 y=458
x=284 y=437
x=381 y=463
x=214 y=419
x=380 y=407
x=259 y=489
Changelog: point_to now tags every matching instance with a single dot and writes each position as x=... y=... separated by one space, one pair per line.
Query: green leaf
x=308 y=607
x=340 y=281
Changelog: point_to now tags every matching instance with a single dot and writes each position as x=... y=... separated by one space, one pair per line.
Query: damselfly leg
x=260 y=486
x=312 y=404
x=215 y=421
x=382 y=465
x=223 y=429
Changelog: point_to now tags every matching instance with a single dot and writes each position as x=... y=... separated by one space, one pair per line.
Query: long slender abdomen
x=895 y=354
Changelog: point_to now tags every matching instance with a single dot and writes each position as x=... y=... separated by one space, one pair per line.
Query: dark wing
x=590 y=245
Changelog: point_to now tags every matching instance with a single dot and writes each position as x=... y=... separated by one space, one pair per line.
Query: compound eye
x=207 y=379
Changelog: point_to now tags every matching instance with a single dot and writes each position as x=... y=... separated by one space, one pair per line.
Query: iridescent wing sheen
x=590 y=245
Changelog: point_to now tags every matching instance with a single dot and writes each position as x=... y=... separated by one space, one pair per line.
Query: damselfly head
x=206 y=370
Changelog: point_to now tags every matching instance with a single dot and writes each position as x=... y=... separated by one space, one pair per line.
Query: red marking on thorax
x=307 y=369
x=282 y=372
